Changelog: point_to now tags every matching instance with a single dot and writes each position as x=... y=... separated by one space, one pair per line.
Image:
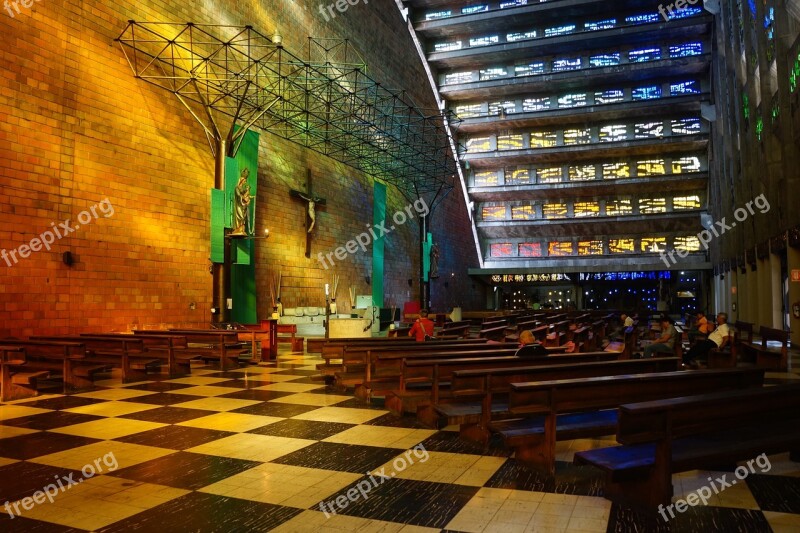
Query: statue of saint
x=241 y=205
x=434 y=271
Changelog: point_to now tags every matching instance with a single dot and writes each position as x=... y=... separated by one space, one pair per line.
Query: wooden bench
x=583 y=408
x=124 y=352
x=695 y=432
x=172 y=349
x=16 y=382
x=63 y=360
x=216 y=345
x=432 y=377
x=773 y=358
x=497 y=333
x=380 y=369
x=291 y=331
x=480 y=396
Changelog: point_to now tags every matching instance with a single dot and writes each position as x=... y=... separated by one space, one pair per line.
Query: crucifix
x=311 y=203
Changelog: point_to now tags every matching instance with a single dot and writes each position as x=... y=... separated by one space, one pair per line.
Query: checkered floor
x=266 y=448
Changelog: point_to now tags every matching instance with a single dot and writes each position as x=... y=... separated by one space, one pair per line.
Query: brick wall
x=77 y=128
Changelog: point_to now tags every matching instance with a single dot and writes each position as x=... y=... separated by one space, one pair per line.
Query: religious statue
x=434 y=271
x=241 y=205
x=312 y=215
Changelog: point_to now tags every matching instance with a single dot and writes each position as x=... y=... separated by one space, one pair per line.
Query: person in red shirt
x=423 y=327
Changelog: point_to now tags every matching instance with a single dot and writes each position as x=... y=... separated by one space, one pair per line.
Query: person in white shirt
x=716 y=339
x=627 y=322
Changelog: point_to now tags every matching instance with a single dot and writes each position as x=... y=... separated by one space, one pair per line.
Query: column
x=776 y=289
x=763 y=298
x=793 y=256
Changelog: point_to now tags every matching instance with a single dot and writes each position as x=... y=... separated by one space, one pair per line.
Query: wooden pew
x=480 y=396
x=288 y=333
x=496 y=333
x=16 y=382
x=172 y=349
x=64 y=360
x=379 y=370
x=211 y=344
x=432 y=377
x=663 y=437
x=126 y=353
x=774 y=358
x=582 y=408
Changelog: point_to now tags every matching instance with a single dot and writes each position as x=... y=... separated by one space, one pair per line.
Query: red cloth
x=421 y=327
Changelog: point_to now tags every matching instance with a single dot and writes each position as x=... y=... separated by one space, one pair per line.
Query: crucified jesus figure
x=311 y=201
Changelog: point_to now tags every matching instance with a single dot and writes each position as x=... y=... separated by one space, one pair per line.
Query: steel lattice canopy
x=325 y=102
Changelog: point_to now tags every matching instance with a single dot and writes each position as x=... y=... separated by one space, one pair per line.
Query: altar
x=341 y=328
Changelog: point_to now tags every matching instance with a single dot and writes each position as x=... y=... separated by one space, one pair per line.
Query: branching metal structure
x=325 y=102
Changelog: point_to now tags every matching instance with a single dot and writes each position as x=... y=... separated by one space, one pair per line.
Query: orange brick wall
x=76 y=128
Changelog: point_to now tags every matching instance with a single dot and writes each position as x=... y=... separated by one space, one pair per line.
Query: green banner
x=426 y=256
x=378 y=217
x=218 y=223
x=241 y=183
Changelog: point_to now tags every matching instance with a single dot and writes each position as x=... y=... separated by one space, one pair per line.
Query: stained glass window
x=530 y=249
x=559 y=30
x=521 y=36
x=590 y=248
x=504 y=249
x=572 y=100
x=549 y=175
x=686 y=12
x=582 y=173
x=486 y=179
x=686 y=202
x=562 y=65
x=468 y=110
x=561 y=249
x=618 y=207
x=530 y=69
x=650 y=206
x=647 y=18
x=685 y=164
x=508 y=107
x=469 y=10
x=613 y=171
x=438 y=14
x=609 y=97
x=653 y=244
x=493 y=73
x=543 y=139
x=513 y=3
x=523 y=212
x=577 y=136
x=647 y=93
x=686 y=126
x=556 y=210
x=605 y=60
x=644 y=54
x=613 y=133
x=447 y=47
x=651 y=167
x=686 y=50
x=621 y=246
x=649 y=130
x=479 y=144
x=535 y=104
x=518 y=176
x=509 y=142
x=684 y=87
x=586 y=209
x=600 y=25
x=457 y=77
x=689 y=243
x=484 y=41
x=494 y=213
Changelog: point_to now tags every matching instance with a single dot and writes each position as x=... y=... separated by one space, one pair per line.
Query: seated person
x=422 y=328
x=701 y=327
x=666 y=342
x=626 y=322
x=529 y=346
x=716 y=339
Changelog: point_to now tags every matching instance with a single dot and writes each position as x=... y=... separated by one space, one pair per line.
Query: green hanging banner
x=426 y=256
x=378 y=217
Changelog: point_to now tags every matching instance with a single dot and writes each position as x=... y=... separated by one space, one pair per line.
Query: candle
x=326 y=289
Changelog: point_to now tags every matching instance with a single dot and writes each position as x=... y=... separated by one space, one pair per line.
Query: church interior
x=400 y=266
